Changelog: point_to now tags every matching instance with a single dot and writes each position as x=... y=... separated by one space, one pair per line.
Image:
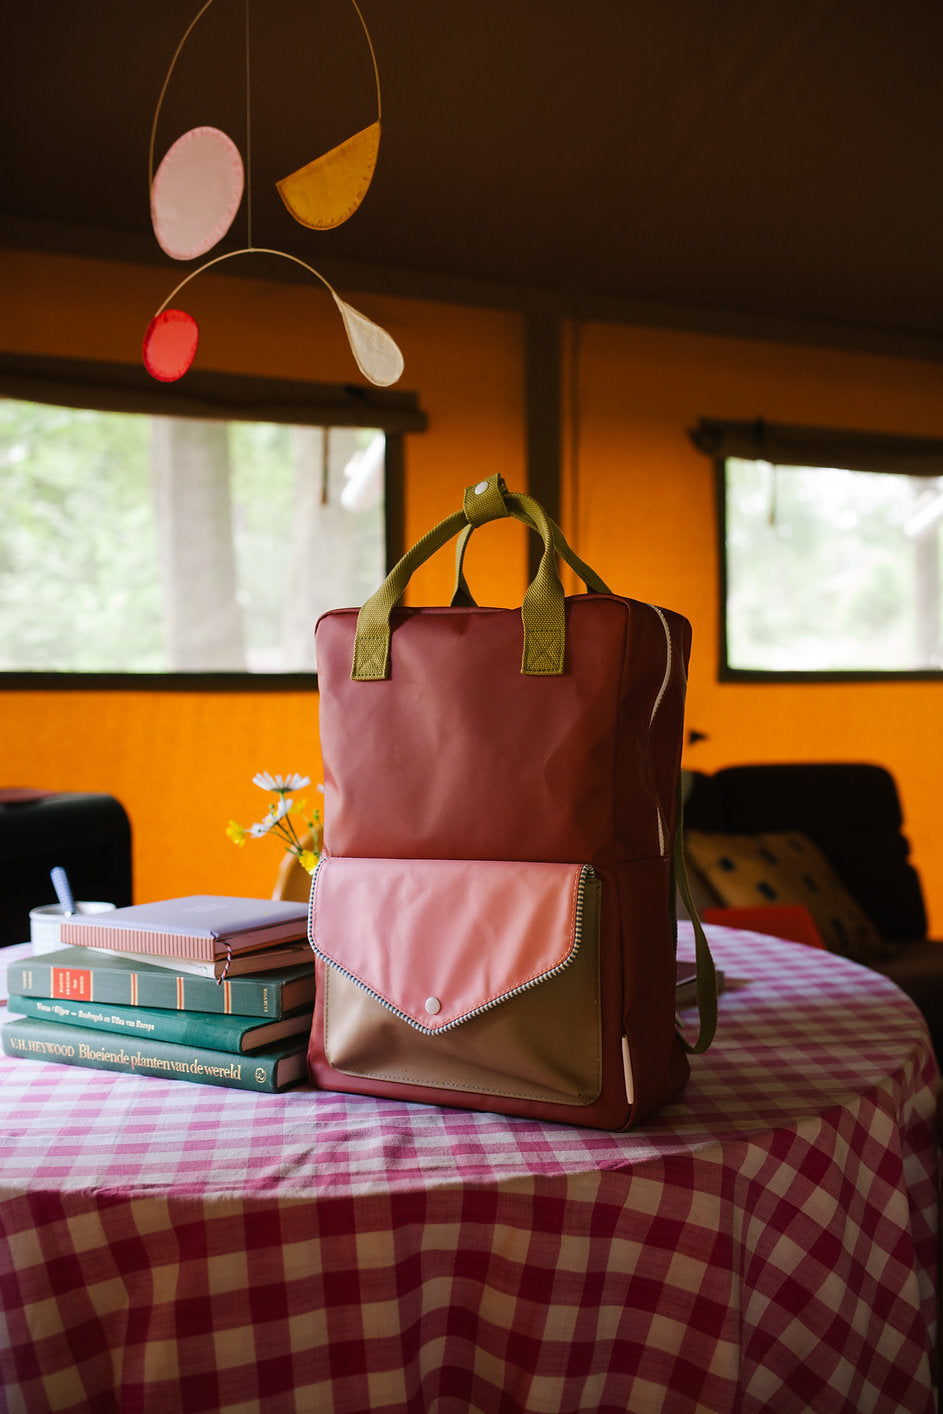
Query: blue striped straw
x=60 y=882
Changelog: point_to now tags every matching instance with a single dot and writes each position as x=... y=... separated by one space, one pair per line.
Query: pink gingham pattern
x=766 y=1243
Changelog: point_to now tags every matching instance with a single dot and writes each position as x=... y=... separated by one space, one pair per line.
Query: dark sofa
x=89 y=835
x=851 y=813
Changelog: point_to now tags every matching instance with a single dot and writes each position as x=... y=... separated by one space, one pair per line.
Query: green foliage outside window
x=831 y=570
x=135 y=544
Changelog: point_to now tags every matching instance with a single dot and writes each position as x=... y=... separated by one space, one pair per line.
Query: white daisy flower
x=277 y=812
x=280 y=784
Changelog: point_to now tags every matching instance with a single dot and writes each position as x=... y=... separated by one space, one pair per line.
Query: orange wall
x=637 y=504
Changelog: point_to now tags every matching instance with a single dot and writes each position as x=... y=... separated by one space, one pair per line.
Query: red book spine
x=74 y=983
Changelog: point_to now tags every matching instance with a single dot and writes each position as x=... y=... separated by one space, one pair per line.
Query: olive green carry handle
x=542 y=610
x=462 y=595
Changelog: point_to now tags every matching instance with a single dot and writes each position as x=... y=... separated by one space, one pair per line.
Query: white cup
x=44 y=923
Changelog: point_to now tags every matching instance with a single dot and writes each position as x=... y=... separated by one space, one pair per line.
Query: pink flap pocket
x=439 y=941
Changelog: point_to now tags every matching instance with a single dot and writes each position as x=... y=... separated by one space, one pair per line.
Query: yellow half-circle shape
x=328 y=190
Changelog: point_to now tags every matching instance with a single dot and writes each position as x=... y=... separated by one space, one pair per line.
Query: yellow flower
x=308 y=860
x=236 y=832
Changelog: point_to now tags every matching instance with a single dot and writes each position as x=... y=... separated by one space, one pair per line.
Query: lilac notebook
x=200 y=926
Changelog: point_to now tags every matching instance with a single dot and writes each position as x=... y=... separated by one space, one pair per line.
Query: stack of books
x=215 y=990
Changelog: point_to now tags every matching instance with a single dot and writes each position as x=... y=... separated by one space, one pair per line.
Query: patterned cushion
x=785 y=868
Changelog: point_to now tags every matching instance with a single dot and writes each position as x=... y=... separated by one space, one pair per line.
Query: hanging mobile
x=196 y=193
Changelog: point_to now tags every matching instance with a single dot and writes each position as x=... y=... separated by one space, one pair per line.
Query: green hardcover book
x=186 y=1028
x=273 y=1068
x=90 y=975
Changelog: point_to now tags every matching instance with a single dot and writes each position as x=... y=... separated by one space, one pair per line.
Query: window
x=144 y=544
x=831 y=552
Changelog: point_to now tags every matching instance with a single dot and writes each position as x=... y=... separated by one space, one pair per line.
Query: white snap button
x=481 y=487
x=433 y=1006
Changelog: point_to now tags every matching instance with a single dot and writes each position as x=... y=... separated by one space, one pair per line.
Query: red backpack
x=493 y=916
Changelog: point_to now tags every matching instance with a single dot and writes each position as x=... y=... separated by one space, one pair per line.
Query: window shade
x=785 y=445
x=119 y=387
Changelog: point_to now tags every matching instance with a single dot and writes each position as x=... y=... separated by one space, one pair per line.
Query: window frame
x=229 y=397
x=785 y=445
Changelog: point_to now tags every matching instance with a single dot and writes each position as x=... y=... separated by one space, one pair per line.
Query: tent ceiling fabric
x=752 y=164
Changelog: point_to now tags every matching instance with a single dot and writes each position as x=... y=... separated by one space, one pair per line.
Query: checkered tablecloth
x=768 y=1242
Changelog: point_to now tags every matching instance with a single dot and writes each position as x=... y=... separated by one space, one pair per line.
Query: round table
x=766 y=1242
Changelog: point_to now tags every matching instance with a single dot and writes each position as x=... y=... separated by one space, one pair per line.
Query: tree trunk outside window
x=190 y=473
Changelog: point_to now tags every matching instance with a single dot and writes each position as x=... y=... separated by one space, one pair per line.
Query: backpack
x=493 y=916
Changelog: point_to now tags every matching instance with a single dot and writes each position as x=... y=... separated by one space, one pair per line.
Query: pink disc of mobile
x=196 y=192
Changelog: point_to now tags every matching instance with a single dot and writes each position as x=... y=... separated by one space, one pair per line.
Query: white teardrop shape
x=375 y=352
x=196 y=192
